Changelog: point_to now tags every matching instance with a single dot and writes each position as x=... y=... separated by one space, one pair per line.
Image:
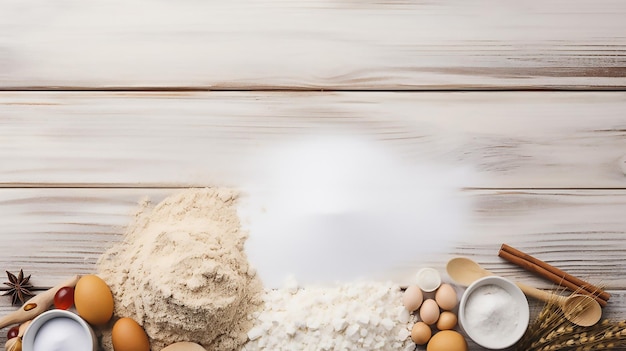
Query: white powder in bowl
x=491 y=312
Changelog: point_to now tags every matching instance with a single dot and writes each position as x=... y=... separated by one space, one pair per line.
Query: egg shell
x=447 y=320
x=93 y=300
x=447 y=340
x=421 y=333
x=412 y=298
x=428 y=279
x=446 y=297
x=127 y=335
x=184 y=346
x=429 y=312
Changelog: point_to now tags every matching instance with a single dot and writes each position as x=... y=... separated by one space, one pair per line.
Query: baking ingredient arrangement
x=357 y=316
x=434 y=328
x=489 y=311
x=181 y=267
x=494 y=312
x=58 y=330
x=47 y=337
x=180 y=280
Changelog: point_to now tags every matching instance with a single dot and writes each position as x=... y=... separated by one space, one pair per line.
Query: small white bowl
x=428 y=279
x=72 y=329
x=494 y=312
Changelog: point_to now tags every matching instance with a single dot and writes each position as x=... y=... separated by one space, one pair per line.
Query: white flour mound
x=356 y=316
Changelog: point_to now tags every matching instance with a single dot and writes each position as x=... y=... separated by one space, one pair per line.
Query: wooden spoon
x=36 y=305
x=579 y=309
x=465 y=271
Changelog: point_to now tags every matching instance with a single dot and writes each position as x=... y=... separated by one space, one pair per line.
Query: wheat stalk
x=551 y=331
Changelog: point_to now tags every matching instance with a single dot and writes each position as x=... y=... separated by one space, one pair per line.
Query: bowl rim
x=426 y=271
x=523 y=318
x=28 y=338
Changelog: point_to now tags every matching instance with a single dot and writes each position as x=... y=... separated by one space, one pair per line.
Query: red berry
x=13 y=332
x=64 y=298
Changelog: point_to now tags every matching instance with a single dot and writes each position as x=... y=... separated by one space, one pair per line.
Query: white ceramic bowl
x=428 y=279
x=81 y=335
x=494 y=312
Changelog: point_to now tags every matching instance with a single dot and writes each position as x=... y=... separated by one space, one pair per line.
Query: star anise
x=19 y=287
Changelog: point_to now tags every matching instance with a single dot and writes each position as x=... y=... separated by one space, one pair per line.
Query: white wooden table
x=104 y=103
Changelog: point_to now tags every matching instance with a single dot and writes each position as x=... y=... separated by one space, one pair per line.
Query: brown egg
x=447 y=340
x=127 y=335
x=446 y=297
x=412 y=298
x=429 y=312
x=93 y=300
x=447 y=320
x=421 y=333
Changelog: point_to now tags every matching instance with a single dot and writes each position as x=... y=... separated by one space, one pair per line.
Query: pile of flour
x=181 y=272
x=356 y=316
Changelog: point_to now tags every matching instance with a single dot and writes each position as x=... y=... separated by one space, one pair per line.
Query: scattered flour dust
x=346 y=208
x=355 y=316
x=181 y=272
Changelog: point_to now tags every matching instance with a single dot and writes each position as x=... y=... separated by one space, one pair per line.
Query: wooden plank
x=500 y=140
x=55 y=232
x=312 y=44
x=615 y=312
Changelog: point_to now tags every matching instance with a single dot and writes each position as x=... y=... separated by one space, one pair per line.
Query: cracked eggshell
x=428 y=279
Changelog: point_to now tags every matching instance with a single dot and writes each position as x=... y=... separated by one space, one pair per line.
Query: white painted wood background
x=104 y=103
x=312 y=44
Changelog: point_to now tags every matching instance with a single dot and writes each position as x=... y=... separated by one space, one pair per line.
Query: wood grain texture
x=54 y=232
x=544 y=172
x=615 y=312
x=312 y=44
x=502 y=140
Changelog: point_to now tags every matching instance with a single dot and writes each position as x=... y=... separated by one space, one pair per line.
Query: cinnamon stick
x=553 y=274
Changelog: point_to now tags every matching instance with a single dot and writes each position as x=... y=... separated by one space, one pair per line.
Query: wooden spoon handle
x=539 y=294
x=36 y=305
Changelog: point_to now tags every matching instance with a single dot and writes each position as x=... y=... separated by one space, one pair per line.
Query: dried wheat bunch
x=551 y=331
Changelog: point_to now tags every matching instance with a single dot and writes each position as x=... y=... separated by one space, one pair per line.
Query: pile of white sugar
x=356 y=316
